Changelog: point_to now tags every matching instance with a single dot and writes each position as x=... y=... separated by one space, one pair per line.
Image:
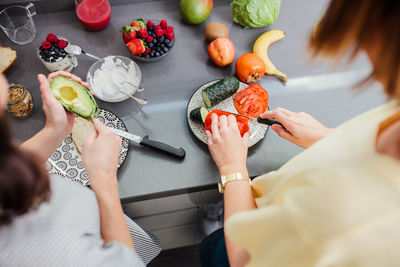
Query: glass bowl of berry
x=148 y=41
x=53 y=55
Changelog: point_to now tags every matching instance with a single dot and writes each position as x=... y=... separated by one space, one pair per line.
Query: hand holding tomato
x=242 y=122
x=302 y=129
x=227 y=147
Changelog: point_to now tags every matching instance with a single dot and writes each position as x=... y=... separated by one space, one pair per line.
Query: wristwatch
x=231 y=177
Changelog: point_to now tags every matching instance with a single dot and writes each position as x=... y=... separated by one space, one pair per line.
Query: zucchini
x=220 y=91
x=199 y=114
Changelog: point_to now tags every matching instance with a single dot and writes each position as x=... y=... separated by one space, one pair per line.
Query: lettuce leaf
x=255 y=13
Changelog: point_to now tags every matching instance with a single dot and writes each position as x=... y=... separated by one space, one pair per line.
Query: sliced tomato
x=252 y=101
x=243 y=123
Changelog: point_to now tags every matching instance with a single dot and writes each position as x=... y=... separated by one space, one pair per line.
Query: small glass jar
x=20 y=103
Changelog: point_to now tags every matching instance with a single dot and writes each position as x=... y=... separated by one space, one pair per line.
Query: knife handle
x=178 y=153
x=269 y=122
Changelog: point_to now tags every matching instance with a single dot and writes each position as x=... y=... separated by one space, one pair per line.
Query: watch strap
x=230 y=178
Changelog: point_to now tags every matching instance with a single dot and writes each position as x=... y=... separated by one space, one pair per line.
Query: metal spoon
x=138 y=88
x=77 y=50
x=139 y=100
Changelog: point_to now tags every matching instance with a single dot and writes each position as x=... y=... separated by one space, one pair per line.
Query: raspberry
x=147 y=51
x=163 y=24
x=62 y=44
x=170 y=29
x=46 y=45
x=157 y=28
x=149 y=39
x=170 y=36
x=52 y=38
x=160 y=32
x=143 y=33
x=150 y=24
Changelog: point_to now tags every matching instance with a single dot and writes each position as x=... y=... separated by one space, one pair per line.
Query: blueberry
x=161 y=39
x=150 y=45
x=55 y=56
x=56 y=50
x=51 y=49
x=155 y=40
x=46 y=51
x=61 y=54
x=170 y=44
x=55 y=45
x=162 y=46
x=40 y=48
x=147 y=56
x=157 y=54
x=165 y=49
x=41 y=53
x=53 y=60
x=158 y=49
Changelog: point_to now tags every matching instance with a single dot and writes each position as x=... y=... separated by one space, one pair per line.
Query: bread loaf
x=7 y=58
x=81 y=130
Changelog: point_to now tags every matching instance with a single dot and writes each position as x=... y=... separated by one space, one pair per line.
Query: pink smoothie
x=94 y=14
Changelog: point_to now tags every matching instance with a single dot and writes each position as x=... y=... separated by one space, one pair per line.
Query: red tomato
x=252 y=101
x=243 y=123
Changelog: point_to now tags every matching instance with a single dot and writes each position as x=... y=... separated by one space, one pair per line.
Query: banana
x=260 y=48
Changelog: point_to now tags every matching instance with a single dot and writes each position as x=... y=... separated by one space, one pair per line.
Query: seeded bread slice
x=7 y=58
x=81 y=130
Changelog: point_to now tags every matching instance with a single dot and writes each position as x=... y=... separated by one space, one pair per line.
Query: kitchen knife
x=145 y=141
x=266 y=121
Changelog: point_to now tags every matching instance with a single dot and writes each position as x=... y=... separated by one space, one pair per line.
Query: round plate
x=68 y=159
x=257 y=130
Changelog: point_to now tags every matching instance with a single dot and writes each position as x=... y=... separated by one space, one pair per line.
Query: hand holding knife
x=266 y=121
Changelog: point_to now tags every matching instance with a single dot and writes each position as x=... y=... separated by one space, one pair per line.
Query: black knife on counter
x=145 y=141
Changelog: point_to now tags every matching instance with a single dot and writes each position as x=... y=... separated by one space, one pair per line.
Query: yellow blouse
x=335 y=204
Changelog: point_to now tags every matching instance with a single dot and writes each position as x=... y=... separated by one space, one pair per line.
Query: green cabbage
x=255 y=13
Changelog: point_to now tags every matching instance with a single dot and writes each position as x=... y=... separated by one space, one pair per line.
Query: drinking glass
x=17 y=23
x=94 y=14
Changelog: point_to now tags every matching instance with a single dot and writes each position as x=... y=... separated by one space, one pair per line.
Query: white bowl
x=129 y=65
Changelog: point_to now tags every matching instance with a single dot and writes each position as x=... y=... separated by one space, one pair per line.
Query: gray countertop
x=314 y=88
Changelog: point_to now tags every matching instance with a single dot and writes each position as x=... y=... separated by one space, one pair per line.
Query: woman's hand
x=227 y=147
x=301 y=128
x=58 y=121
x=100 y=157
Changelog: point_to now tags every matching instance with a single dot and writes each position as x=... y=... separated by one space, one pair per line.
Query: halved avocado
x=74 y=97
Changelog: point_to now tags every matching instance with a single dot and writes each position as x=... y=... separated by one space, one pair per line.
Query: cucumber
x=220 y=91
x=199 y=114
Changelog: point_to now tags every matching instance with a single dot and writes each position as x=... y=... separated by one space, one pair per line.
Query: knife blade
x=266 y=121
x=145 y=141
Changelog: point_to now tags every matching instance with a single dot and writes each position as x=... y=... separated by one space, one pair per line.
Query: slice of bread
x=81 y=130
x=7 y=58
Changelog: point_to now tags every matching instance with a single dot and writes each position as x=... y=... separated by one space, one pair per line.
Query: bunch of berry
x=53 y=48
x=148 y=40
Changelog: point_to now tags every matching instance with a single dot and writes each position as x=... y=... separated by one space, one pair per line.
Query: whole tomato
x=250 y=68
x=243 y=123
x=221 y=51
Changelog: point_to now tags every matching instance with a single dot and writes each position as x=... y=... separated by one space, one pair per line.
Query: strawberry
x=170 y=36
x=139 y=24
x=46 y=45
x=149 y=24
x=147 y=51
x=149 y=39
x=143 y=33
x=128 y=33
x=62 y=44
x=52 y=38
x=170 y=29
x=136 y=46
x=163 y=24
